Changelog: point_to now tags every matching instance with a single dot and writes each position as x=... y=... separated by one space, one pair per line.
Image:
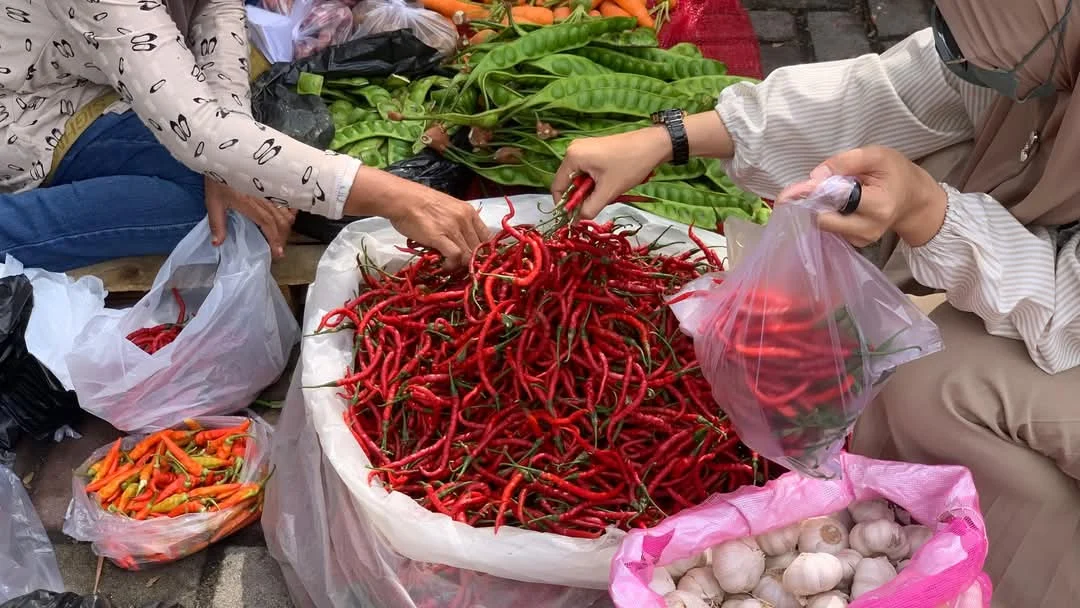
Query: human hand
x=616 y=163
x=275 y=222
x=422 y=214
x=897 y=194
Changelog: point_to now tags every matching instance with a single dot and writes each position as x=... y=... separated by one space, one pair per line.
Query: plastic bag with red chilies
x=328 y=23
x=946 y=572
x=138 y=544
x=798 y=339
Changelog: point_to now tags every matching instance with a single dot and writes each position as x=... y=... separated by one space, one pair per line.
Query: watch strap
x=673 y=121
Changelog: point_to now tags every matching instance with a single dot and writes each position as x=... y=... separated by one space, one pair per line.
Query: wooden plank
x=137 y=274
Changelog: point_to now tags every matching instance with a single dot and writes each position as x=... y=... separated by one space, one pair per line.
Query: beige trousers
x=983 y=404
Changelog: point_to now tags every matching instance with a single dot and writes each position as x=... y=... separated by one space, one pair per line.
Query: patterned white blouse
x=1024 y=282
x=58 y=55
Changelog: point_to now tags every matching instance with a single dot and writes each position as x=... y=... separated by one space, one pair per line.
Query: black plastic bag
x=306 y=117
x=32 y=400
x=50 y=599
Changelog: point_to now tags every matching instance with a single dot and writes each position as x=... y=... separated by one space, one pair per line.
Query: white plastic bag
x=27 y=560
x=431 y=28
x=62 y=308
x=134 y=545
x=237 y=343
x=387 y=550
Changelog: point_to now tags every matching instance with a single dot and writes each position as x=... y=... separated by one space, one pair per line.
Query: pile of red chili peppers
x=546 y=387
x=153 y=339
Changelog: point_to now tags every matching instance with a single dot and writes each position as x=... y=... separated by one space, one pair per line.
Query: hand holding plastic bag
x=798 y=339
x=377 y=16
x=27 y=561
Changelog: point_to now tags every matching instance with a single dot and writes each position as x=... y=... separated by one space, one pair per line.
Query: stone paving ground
x=240 y=573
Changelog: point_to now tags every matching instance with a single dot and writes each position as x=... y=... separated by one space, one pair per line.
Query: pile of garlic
x=822 y=562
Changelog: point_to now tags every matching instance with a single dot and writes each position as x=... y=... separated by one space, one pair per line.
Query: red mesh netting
x=721 y=28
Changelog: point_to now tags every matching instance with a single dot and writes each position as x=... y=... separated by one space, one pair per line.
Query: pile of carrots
x=547 y=13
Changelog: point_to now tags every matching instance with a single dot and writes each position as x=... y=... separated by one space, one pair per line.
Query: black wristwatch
x=672 y=120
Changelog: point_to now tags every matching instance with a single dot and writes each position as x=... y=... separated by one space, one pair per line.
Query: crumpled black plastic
x=32 y=400
x=306 y=118
x=276 y=103
x=51 y=599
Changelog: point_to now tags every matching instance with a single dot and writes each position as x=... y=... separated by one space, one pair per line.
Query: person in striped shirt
x=966 y=138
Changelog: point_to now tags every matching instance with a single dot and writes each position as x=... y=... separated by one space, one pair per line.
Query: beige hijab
x=1043 y=186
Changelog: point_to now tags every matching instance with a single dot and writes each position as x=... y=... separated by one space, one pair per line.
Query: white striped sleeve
x=801 y=115
x=988 y=263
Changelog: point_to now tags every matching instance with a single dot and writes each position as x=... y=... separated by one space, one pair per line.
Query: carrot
x=481 y=37
x=561 y=13
x=533 y=14
x=637 y=9
x=608 y=8
x=595 y=13
x=595 y=4
x=447 y=8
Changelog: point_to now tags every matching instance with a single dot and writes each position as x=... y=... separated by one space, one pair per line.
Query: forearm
x=1011 y=276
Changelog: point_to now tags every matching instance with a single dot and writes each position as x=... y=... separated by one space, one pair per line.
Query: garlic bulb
x=813 y=573
x=902 y=516
x=843 y=516
x=682 y=599
x=662 y=583
x=917 y=536
x=743 y=601
x=849 y=558
x=822 y=535
x=870 y=574
x=870 y=510
x=831 y=599
x=702 y=583
x=779 y=562
x=779 y=542
x=904 y=564
x=680 y=567
x=878 y=537
x=738 y=565
x=771 y=591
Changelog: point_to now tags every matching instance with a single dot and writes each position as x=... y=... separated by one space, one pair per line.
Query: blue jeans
x=116 y=193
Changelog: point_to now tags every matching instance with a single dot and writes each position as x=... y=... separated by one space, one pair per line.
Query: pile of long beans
x=546 y=387
x=541 y=88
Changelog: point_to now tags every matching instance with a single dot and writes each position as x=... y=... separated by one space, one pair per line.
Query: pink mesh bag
x=945 y=573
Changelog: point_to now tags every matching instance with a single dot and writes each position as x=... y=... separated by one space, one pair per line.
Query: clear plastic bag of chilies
x=134 y=543
x=377 y=16
x=798 y=339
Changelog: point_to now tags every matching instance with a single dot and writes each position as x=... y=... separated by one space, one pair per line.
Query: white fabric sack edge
x=409 y=528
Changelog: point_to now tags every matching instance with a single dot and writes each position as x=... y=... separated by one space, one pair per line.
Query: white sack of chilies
x=343 y=542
